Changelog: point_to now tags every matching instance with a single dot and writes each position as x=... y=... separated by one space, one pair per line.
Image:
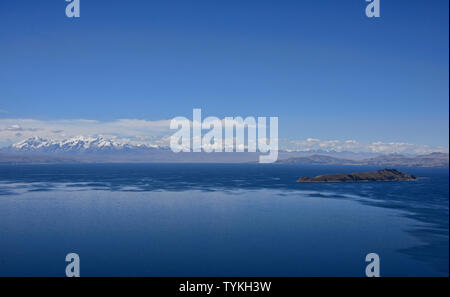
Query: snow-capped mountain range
x=105 y=150
x=78 y=144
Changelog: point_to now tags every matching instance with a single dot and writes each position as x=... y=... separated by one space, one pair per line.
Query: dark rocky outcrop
x=380 y=175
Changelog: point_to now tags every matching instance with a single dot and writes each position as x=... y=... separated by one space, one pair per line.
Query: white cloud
x=158 y=133
x=14 y=130
x=312 y=144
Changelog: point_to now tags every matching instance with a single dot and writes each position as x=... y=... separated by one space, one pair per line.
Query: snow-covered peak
x=31 y=143
x=78 y=144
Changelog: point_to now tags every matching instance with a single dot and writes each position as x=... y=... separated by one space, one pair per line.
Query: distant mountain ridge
x=81 y=149
x=429 y=160
x=78 y=144
x=100 y=149
x=318 y=160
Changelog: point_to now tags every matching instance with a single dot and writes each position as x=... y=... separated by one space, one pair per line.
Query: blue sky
x=324 y=68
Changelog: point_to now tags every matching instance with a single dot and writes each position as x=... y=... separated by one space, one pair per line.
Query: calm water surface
x=219 y=220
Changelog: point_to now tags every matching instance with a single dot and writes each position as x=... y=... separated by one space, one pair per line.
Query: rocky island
x=379 y=175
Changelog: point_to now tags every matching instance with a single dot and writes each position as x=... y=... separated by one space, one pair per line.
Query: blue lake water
x=219 y=220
